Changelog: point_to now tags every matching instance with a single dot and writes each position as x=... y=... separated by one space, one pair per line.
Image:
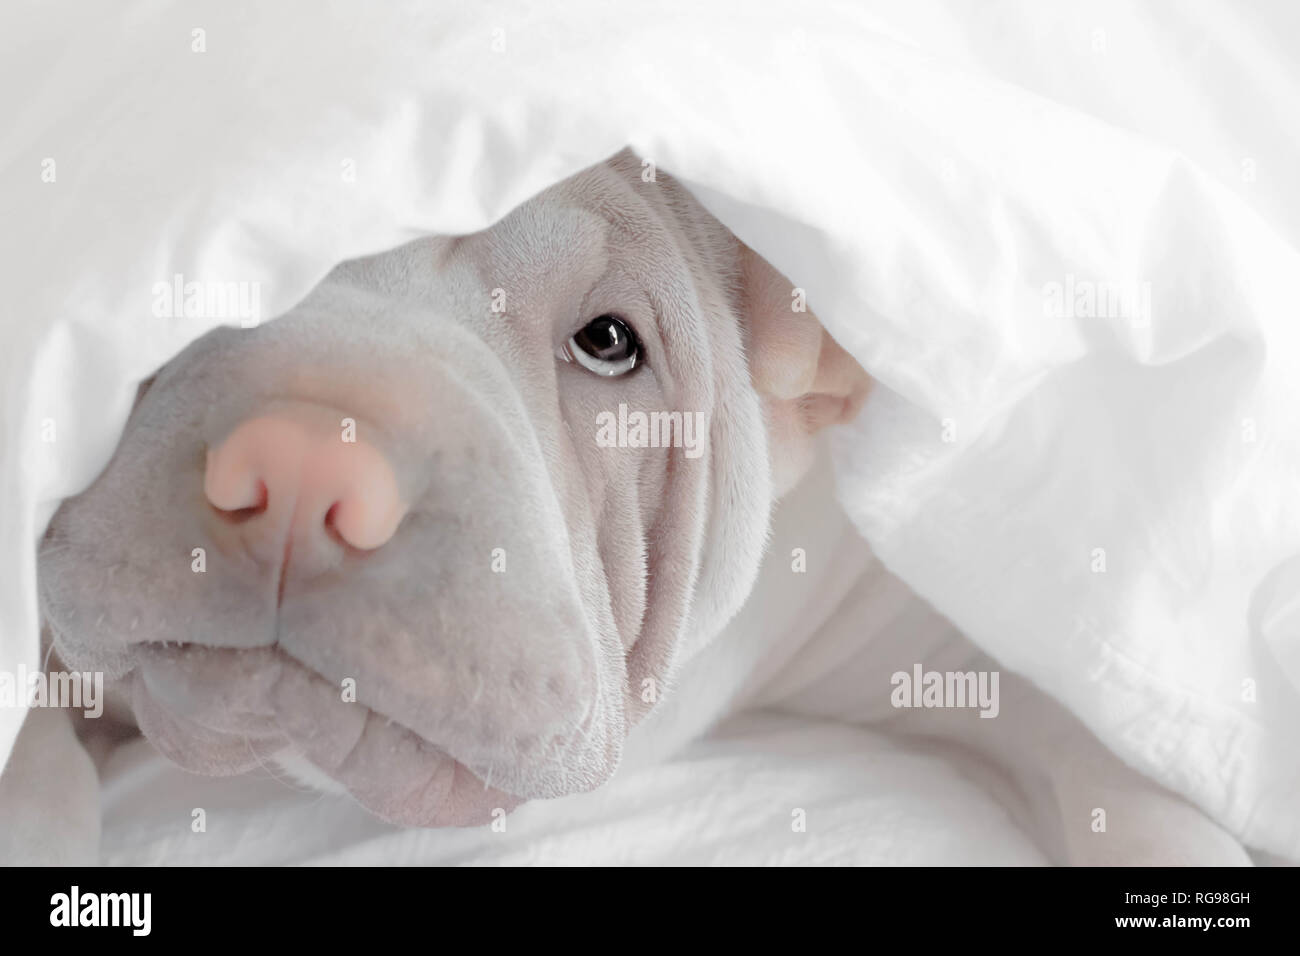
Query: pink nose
x=296 y=484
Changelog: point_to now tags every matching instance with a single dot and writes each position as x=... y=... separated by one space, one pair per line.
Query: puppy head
x=441 y=529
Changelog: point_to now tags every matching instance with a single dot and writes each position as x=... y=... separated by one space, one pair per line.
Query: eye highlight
x=606 y=345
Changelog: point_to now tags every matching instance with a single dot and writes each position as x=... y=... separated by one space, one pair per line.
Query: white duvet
x=1061 y=237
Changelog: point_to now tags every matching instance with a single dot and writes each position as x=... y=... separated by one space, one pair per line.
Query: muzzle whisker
x=292 y=785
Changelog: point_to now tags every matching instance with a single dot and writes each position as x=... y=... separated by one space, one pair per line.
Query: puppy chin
x=301 y=770
x=471 y=804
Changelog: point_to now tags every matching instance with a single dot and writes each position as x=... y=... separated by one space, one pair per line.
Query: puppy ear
x=806 y=380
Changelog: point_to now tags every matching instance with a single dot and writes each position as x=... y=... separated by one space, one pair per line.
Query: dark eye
x=606 y=345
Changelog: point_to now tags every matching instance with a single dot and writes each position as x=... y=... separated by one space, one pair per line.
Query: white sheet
x=923 y=171
x=731 y=800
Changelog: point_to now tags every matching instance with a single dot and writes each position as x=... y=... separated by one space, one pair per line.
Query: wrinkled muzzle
x=351 y=546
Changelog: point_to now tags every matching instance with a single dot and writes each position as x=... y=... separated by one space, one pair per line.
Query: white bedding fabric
x=923 y=170
x=725 y=800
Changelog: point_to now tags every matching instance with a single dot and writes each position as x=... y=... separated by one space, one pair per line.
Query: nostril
x=331 y=526
x=232 y=482
x=354 y=539
x=367 y=517
x=248 y=512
